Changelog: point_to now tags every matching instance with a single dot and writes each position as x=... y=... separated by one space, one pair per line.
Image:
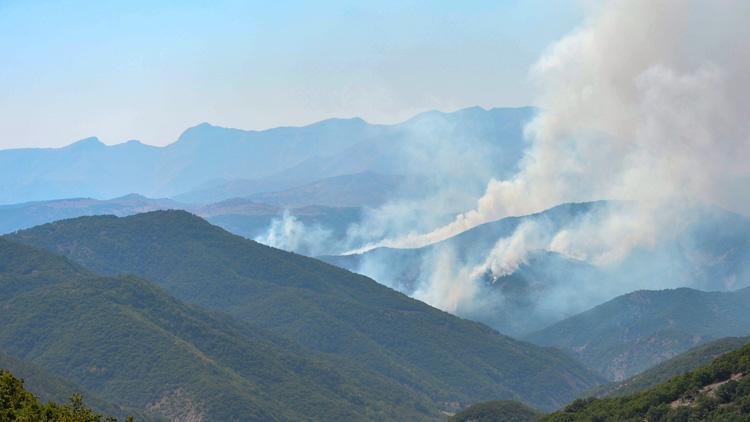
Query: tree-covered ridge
x=719 y=391
x=330 y=310
x=496 y=411
x=135 y=346
x=18 y=404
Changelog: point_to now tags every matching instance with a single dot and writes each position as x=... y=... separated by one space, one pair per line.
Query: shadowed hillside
x=636 y=331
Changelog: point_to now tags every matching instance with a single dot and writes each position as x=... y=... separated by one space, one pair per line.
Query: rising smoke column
x=647 y=101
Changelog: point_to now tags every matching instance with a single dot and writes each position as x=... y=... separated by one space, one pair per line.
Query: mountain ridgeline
x=389 y=349
x=209 y=163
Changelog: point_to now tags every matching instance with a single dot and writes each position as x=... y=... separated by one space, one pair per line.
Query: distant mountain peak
x=90 y=142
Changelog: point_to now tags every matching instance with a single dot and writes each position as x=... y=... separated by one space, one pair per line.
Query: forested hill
x=328 y=309
x=135 y=346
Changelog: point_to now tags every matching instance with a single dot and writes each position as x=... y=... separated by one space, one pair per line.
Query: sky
x=147 y=70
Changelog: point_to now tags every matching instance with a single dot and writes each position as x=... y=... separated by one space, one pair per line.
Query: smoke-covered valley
x=658 y=131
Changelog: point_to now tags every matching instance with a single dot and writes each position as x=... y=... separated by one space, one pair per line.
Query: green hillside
x=719 y=391
x=330 y=310
x=134 y=345
x=636 y=331
x=18 y=404
x=497 y=411
x=678 y=365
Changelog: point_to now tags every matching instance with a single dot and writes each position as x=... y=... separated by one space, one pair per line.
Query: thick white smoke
x=647 y=101
x=646 y=104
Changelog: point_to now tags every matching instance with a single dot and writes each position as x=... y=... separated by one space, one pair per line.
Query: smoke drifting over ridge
x=645 y=104
x=647 y=101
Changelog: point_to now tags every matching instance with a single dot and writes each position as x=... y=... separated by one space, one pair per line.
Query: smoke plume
x=290 y=234
x=647 y=101
x=644 y=105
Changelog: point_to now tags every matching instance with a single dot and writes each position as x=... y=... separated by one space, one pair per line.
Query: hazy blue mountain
x=325 y=308
x=87 y=168
x=633 y=332
x=21 y=216
x=368 y=189
x=495 y=136
x=274 y=159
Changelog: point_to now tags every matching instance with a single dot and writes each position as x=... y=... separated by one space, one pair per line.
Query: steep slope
x=684 y=362
x=636 y=331
x=719 y=391
x=323 y=307
x=134 y=345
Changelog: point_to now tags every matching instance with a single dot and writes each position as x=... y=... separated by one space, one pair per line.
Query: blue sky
x=147 y=70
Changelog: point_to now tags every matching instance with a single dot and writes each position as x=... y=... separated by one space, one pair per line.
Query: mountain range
x=209 y=163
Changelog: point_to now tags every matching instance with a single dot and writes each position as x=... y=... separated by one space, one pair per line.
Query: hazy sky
x=147 y=70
